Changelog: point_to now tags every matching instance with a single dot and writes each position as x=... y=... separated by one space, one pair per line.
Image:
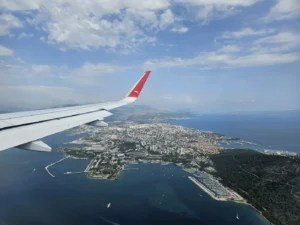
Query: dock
x=204 y=188
x=67 y=173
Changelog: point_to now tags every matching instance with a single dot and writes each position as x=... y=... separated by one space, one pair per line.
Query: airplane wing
x=25 y=129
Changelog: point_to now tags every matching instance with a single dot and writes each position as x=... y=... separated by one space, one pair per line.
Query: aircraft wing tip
x=136 y=90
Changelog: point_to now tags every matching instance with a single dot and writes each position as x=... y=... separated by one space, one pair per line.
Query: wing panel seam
x=47 y=120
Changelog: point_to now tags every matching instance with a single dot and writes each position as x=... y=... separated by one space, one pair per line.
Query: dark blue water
x=280 y=130
x=153 y=194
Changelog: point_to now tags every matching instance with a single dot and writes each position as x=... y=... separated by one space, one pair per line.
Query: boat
x=108 y=205
x=237 y=216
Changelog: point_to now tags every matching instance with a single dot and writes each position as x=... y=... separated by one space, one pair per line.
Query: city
x=112 y=148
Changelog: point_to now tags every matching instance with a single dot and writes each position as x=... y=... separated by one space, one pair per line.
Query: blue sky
x=206 y=55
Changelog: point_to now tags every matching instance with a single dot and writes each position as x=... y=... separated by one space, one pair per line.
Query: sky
x=205 y=55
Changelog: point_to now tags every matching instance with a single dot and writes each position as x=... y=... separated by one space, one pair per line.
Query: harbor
x=52 y=164
x=216 y=190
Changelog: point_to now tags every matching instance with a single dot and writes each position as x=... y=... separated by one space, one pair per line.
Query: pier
x=47 y=167
x=209 y=192
x=67 y=173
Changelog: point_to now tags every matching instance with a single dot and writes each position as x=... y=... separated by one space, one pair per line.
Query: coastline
x=194 y=180
x=211 y=194
x=200 y=185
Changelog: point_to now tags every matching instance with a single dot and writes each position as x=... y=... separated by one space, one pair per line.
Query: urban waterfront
x=143 y=193
x=152 y=193
x=270 y=130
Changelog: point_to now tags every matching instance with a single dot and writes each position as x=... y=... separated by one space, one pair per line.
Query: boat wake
x=109 y=221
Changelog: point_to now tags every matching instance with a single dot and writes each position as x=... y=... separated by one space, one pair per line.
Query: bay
x=277 y=130
x=150 y=194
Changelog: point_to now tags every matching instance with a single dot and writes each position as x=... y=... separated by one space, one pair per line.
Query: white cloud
x=113 y=24
x=282 y=37
x=97 y=24
x=20 y=4
x=220 y=2
x=5 y=51
x=229 y=48
x=284 y=9
x=34 y=86
x=167 y=18
x=42 y=39
x=40 y=68
x=207 y=10
x=245 y=32
x=20 y=72
x=213 y=60
x=144 y=17
x=266 y=59
x=8 y=22
x=24 y=35
x=7 y=69
x=180 y=30
x=37 y=85
x=89 y=72
x=38 y=96
x=277 y=49
x=19 y=60
x=180 y=99
x=281 y=42
x=98 y=69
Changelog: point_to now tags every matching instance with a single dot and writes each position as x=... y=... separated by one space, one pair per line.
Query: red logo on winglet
x=139 y=86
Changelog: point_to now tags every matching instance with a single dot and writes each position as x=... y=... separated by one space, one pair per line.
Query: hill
x=270 y=183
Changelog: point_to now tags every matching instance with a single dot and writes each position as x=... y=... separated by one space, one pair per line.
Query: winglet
x=137 y=88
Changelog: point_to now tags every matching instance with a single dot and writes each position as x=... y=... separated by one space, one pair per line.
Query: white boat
x=108 y=205
x=237 y=216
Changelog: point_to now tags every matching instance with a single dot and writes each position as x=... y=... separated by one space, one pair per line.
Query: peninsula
x=113 y=147
x=267 y=182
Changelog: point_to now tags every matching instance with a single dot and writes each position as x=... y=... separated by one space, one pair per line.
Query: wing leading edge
x=25 y=129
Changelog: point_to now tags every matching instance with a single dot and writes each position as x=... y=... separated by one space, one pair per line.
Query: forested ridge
x=270 y=183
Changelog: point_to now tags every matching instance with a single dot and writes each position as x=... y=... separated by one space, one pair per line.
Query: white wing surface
x=25 y=129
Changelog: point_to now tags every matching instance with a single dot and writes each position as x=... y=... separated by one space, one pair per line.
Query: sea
x=144 y=193
x=258 y=131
